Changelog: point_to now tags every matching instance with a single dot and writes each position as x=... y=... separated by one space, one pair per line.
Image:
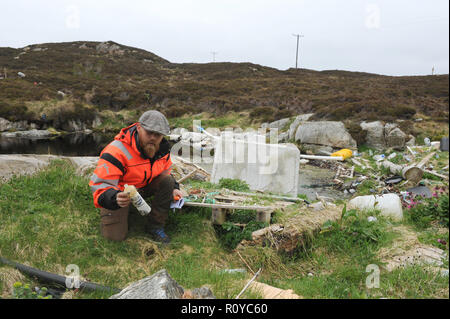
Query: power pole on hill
x=214 y=56
x=296 y=54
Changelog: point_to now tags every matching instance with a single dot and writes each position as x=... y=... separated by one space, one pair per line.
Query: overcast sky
x=391 y=37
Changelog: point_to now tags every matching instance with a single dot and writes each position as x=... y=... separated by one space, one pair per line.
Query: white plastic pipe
x=325 y=158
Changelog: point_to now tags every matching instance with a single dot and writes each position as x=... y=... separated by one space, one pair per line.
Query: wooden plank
x=284 y=198
x=228 y=206
x=187 y=176
x=218 y=216
x=263 y=216
x=436 y=174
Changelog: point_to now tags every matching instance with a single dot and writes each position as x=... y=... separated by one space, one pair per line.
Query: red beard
x=150 y=150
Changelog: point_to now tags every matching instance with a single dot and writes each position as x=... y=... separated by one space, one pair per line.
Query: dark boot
x=162 y=189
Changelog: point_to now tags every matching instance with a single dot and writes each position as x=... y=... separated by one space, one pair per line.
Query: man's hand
x=123 y=199
x=177 y=194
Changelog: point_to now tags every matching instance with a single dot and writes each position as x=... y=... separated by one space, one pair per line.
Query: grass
x=335 y=263
x=48 y=221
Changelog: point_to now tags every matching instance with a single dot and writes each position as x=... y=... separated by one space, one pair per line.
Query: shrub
x=24 y=292
x=233 y=184
x=14 y=111
x=423 y=211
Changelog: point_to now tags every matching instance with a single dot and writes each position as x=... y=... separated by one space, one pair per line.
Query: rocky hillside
x=81 y=78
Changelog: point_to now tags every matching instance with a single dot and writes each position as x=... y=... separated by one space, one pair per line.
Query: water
x=75 y=144
x=81 y=144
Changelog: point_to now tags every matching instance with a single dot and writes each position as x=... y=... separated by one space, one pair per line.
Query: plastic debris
x=379 y=158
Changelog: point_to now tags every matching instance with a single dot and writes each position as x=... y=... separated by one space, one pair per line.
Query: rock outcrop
x=381 y=136
x=161 y=286
x=327 y=133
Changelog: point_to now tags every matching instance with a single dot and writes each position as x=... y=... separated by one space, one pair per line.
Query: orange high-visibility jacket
x=123 y=162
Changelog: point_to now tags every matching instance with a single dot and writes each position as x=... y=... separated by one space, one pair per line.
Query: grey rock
x=317 y=206
x=328 y=133
x=33 y=134
x=283 y=137
x=411 y=141
x=96 y=122
x=202 y=293
x=74 y=126
x=318 y=149
x=396 y=139
x=157 y=286
x=280 y=124
x=106 y=47
x=294 y=125
x=375 y=134
x=5 y=124
x=388 y=127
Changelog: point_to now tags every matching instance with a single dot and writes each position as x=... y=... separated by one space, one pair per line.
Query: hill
x=96 y=77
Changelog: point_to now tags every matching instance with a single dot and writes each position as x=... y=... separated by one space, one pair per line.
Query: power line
x=296 y=54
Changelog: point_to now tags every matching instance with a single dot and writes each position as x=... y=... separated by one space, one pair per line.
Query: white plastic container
x=388 y=204
x=137 y=200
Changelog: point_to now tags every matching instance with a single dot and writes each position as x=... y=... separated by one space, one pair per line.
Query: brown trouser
x=114 y=223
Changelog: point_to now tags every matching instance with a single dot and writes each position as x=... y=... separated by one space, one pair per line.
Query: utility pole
x=214 y=56
x=296 y=54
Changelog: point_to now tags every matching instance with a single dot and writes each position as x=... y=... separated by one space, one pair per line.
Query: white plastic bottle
x=137 y=200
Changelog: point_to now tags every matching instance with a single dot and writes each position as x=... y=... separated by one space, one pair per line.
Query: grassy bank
x=48 y=221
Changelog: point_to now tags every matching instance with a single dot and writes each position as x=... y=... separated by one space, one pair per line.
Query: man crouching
x=139 y=155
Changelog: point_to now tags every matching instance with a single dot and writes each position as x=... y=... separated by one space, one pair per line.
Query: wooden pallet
x=219 y=211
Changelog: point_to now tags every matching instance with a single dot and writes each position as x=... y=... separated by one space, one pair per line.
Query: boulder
x=73 y=126
x=280 y=124
x=157 y=286
x=375 y=134
x=299 y=119
x=4 y=124
x=32 y=134
x=109 y=48
x=283 y=137
x=396 y=139
x=411 y=141
x=96 y=122
x=327 y=133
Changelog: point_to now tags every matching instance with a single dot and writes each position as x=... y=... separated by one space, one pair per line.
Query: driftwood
x=294 y=232
x=436 y=174
x=187 y=176
x=283 y=198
